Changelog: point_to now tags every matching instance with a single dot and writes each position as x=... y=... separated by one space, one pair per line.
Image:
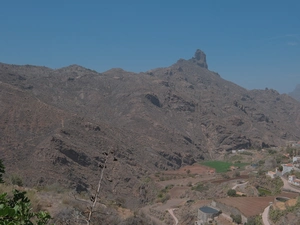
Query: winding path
x=286 y=186
x=265 y=216
x=171 y=211
x=237 y=185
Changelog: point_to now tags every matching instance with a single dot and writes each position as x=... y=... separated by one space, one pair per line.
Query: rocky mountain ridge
x=57 y=125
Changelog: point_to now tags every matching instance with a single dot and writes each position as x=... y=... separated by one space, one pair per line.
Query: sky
x=255 y=44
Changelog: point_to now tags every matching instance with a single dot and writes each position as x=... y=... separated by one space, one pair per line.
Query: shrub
x=15 y=180
x=236 y=218
x=231 y=192
x=17 y=210
x=200 y=187
x=275 y=214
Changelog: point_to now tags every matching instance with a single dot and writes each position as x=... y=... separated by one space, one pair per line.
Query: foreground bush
x=16 y=210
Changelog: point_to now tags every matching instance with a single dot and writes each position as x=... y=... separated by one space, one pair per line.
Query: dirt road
x=171 y=211
x=288 y=186
x=265 y=216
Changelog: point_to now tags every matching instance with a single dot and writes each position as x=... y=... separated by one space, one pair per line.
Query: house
x=286 y=168
x=293 y=180
x=206 y=214
x=272 y=174
x=233 y=151
x=232 y=168
x=296 y=159
x=296 y=144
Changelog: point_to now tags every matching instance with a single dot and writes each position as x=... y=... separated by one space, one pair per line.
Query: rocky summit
x=59 y=126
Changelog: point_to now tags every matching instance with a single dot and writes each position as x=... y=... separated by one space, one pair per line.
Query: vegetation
x=236 y=218
x=276 y=214
x=222 y=167
x=292 y=151
x=163 y=195
x=16 y=209
x=277 y=183
x=257 y=220
x=263 y=191
x=231 y=192
x=261 y=162
x=296 y=173
x=246 y=153
x=199 y=187
x=2 y=171
x=272 y=152
x=16 y=180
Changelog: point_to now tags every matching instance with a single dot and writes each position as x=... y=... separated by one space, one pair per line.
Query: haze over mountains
x=56 y=124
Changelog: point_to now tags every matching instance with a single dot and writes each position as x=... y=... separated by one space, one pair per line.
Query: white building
x=286 y=168
x=272 y=174
x=293 y=180
x=296 y=159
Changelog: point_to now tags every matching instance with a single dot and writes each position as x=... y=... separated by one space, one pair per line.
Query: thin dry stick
x=97 y=192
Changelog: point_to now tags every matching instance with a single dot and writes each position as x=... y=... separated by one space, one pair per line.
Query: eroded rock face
x=200 y=59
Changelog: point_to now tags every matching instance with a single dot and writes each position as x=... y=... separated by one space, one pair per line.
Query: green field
x=222 y=166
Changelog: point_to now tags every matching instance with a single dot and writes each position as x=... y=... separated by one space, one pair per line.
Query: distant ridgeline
x=296 y=93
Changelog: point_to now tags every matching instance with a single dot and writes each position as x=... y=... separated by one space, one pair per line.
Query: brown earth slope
x=56 y=124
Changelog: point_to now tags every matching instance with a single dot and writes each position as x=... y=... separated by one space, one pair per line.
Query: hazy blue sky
x=255 y=44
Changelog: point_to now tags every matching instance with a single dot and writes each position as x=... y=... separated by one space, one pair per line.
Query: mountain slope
x=56 y=124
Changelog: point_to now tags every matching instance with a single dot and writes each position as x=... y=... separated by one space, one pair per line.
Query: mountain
x=57 y=126
x=296 y=93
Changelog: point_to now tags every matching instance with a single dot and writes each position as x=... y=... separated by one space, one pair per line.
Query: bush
x=15 y=180
x=225 y=176
x=257 y=220
x=275 y=214
x=236 y=218
x=237 y=174
x=16 y=210
x=200 y=187
x=231 y=192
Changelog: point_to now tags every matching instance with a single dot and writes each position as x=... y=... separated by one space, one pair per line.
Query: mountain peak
x=296 y=93
x=199 y=59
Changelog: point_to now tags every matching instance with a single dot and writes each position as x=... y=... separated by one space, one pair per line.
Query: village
x=256 y=185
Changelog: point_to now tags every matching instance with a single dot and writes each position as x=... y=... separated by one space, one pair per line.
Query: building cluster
x=293 y=180
x=286 y=168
